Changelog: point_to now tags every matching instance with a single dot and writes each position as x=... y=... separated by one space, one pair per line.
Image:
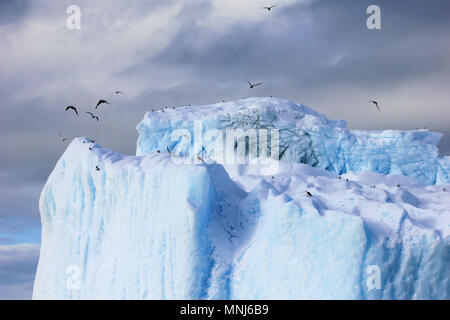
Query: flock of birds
x=251 y=85
x=91 y=114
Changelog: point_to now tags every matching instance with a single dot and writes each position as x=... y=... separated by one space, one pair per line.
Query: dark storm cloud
x=12 y=11
x=302 y=54
x=17 y=269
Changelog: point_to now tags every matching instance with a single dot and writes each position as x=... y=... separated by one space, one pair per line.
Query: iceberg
x=341 y=215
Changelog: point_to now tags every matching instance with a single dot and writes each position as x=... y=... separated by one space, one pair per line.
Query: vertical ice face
x=139 y=227
x=305 y=137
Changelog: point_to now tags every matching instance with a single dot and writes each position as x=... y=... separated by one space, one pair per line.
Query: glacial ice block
x=306 y=136
x=148 y=228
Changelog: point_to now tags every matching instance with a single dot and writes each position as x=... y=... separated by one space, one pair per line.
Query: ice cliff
x=153 y=226
x=305 y=137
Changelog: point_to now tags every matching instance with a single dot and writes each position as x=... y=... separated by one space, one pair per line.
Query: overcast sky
x=169 y=53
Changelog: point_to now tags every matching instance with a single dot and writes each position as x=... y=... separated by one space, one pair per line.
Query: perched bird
x=346 y=180
x=90 y=148
x=340 y=178
x=269 y=8
x=273 y=177
x=253 y=85
x=398 y=186
x=308 y=194
x=92 y=115
x=168 y=150
x=72 y=108
x=375 y=103
x=118 y=92
x=200 y=159
x=101 y=101
x=97 y=168
x=158 y=151
x=62 y=139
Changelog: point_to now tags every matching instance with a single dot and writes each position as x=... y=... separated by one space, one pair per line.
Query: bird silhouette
x=375 y=103
x=97 y=168
x=118 y=92
x=62 y=139
x=72 y=108
x=308 y=194
x=200 y=159
x=92 y=115
x=101 y=101
x=270 y=7
x=253 y=85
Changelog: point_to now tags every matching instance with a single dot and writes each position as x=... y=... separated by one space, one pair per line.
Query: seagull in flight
x=253 y=85
x=62 y=139
x=270 y=7
x=100 y=102
x=72 y=108
x=92 y=115
x=375 y=103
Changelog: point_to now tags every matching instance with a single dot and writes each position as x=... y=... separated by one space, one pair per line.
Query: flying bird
x=308 y=194
x=62 y=139
x=375 y=103
x=72 y=108
x=118 y=92
x=101 y=101
x=92 y=115
x=253 y=85
x=270 y=7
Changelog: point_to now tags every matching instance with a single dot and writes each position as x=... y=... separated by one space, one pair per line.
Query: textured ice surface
x=142 y=227
x=305 y=137
x=148 y=227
